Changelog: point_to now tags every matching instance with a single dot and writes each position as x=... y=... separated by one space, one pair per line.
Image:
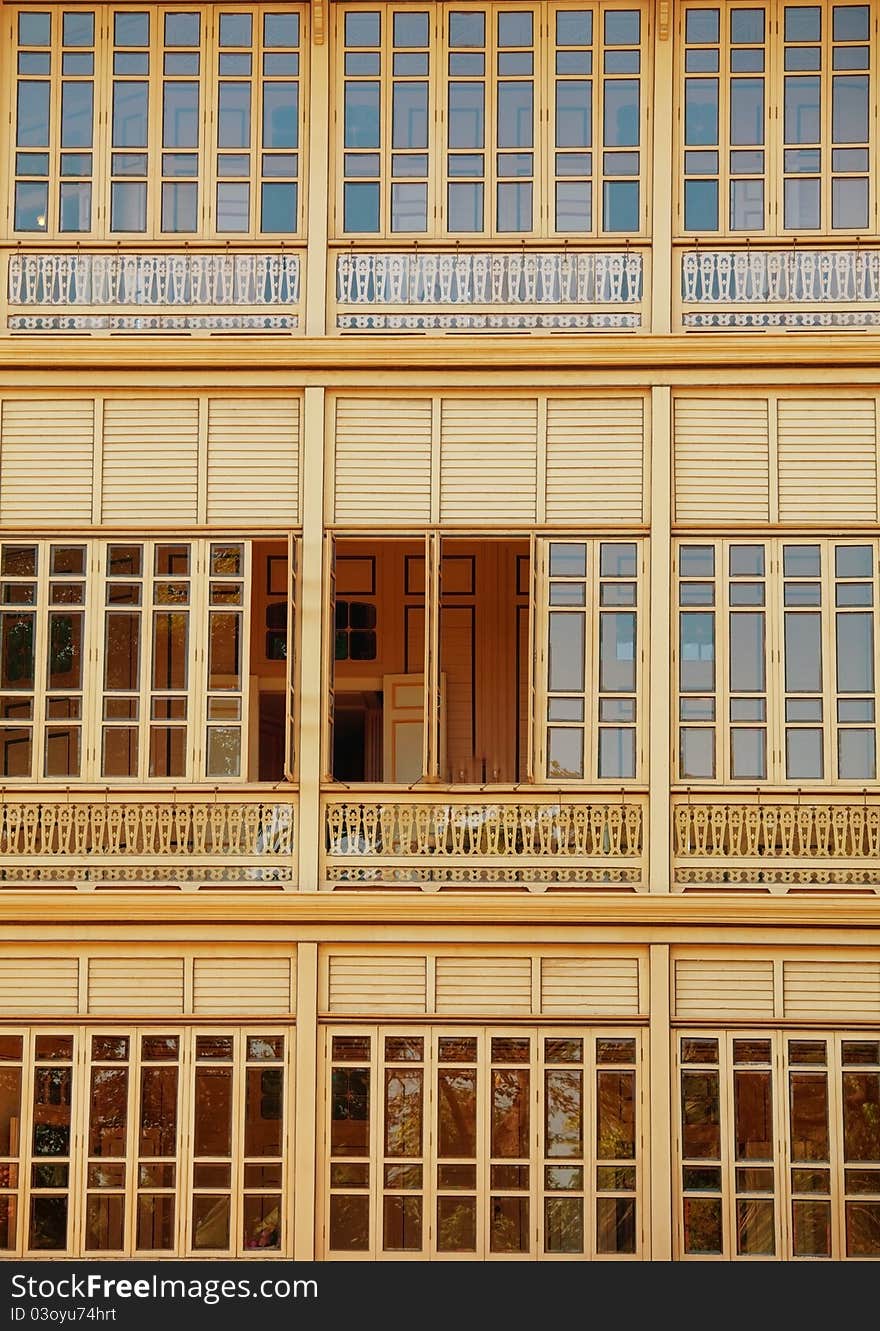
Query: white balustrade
x=153 y=280
x=769 y=277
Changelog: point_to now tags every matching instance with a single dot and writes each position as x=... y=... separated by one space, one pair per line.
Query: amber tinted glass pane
x=753 y=1108
x=699 y=1051
x=403 y=1176
x=350 y=1111
x=695 y=1179
x=457 y=1050
x=167 y=751
x=262 y=1176
x=213 y=1111
x=155 y=1223
x=702 y=1225
x=10 y=1048
x=211 y=1176
x=810 y=1180
x=563 y=1051
x=217 y=1048
x=152 y=1175
x=615 y=1224
x=863 y=1229
x=860 y=1051
x=210 y=1223
x=809 y=1116
x=510 y=1112
x=261 y=1227
x=48 y=1225
x=807 y=1051
x=863 y=1180
x=403 y=1112
x=50 y=1047
x=106 y=1175
x=264 y=1111
x=122 y=651
x=224 y=653
x=751 y=1051
x=10 y=1110
x=349 y=1223
x=8 y=1221
x=456 y=1176
x=811 y=1228
x=861 y=1116
x=407 y=1049
x=52 y=1092
x=350 y=1048
x=564 y=1224
x=700 y=1122
x=754 y=1229
x=264 y=1048
x=509 y=1177
x=349 y=1175
x=755 y=1180
x=456 y=1224
x=616 y=1178
x=105 y=1219
x=107 y=1120
x=457 y=1113
x=159 y=1047
x=170 y=632
x=615 y=1051
x=402 y=1224
x=563 y=1113
x=109 y=1048
x=615 y=1116
x=509 y=1224
x=510 y=1050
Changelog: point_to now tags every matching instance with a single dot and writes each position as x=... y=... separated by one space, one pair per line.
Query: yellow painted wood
x=150 y=461
x=42 y=439
x=827 y=459
x=723 y=989
x=722 y=470
x=595 y=460
x=253 y=461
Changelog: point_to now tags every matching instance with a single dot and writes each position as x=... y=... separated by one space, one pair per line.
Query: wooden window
x=481 y=1143
x=775 y=120
x=593 y=671
x=480 y=121
x=175 y=1140
x=778 y=1145
x=776 y=661
x=167 y=623
x=203 y=134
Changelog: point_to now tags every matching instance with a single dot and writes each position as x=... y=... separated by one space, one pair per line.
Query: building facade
x=439 y=813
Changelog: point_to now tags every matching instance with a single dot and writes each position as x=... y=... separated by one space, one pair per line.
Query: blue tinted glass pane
x=76 y=206
x=515 y=206
x=802 y=109
x=621 y=113
x=180 y=116
x=851 y=23
x=467 y=29
x=281 y=30
x=617 y=752
x=131 y=29
x=747 y=111
x=31 y=205
x=409 y=207
x=849 y=204
x=803 y=23
x=362 y=29
x=129 y=115
x=179 y=207
x=747 y=205
x=33 y=115
x=128 y=206
x=466 y=101
x=621 y=205
x=465 y=207
x=701 y=26
x=235 y=29
x=701 y=111
x=76 y=115
x=746 y=25
x=34 y=29
x=410 y=115
x=701 y=205
x=849 y=108
x=361 y=207
x=574 y=110
x=181 y=29
x=410 y=29
x=514 y=29
x=361 y=115
x=515 y=114
x=78 y=30
x=278 y=202
x=233 y=200
x=622 y=27
x=573 y=211
x=574 y=28
x=234 y=115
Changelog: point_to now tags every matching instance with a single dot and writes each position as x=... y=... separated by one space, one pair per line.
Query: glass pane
x=615 y=1115
x=700 y=1115
x=563 y=1113
x=808 y=1106
x=510 y=1113
x=350 y=1111
x=403 y=1112
x=213 y=1111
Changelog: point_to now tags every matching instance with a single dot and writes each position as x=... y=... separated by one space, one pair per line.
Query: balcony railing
x=780 y=288
x=776 y=843
x=192 y=292
x=517 y=290
x=92 y=840
x=538 y=842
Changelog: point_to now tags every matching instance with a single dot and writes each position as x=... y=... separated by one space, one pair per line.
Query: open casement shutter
x=291 y=757
x=432 y=658
x=532 y=716
x=329 y=604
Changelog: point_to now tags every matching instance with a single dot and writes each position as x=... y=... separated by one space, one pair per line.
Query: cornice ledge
x=697 y=910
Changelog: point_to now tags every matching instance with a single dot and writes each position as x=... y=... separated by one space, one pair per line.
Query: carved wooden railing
x=780 y=288
x=538 y=842
x=153 y=292
x=476 y=289
x=776 y=842
x=87 y=839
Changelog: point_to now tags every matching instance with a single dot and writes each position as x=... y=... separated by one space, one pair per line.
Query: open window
x=430 y=660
